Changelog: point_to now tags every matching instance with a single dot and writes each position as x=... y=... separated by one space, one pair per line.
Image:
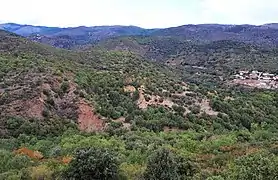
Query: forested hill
x=105 y=113
x=263 y=35
x=225 y=55
x=70 y=38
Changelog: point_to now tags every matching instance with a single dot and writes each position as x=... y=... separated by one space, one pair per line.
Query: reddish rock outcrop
x=87 y=119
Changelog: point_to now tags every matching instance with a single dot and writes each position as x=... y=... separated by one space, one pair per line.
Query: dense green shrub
x=164 y=164
x=65 y=86
x=93 y=163
x=257 y=166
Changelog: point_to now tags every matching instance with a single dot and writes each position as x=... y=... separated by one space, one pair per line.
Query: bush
x=41 y=172
x=179 y=109
x=45 y=113
x=243 y=136
x=164 y=164
x=258 y=166
x=93 y=163
x=195 y=109
x=65 y=86
x=136 y=95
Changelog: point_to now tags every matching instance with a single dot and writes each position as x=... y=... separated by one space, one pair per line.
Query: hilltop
x=70 y=38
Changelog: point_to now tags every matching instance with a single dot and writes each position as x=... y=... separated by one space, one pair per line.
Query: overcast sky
x=143 y=13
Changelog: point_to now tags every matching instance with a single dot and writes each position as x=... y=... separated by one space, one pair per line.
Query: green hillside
x=113 y=114
x=225 y=54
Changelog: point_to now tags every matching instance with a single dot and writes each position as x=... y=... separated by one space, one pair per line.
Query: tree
x=136 y=95
x=186 y=168
x=65 y=86
x=92 y=164
x=179 y=109
x=164 y=164
x=245 y=121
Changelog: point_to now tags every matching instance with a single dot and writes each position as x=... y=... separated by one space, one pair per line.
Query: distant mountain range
x=73 y=36
x=264 y=35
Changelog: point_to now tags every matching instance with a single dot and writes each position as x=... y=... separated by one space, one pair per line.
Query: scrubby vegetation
x=155 y=122
x=205 y=155
x=222 y=56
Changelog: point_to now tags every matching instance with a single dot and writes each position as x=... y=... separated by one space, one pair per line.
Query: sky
x=143 y=13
